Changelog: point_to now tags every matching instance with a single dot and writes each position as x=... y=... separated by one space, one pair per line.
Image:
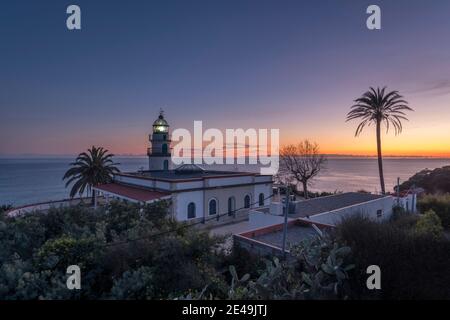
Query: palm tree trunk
x=380 y=157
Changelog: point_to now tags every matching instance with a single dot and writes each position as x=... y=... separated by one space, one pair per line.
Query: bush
x=430 y=224
x=413 y=266
x=440 y=204
x=3 y=209
x=123 y=252
x=317 y=269
x=315 y=194
x=402 y=219
x=134 y=284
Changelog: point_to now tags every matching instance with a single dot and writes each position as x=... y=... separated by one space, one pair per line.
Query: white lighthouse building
x=195 y=193
x=159 y=150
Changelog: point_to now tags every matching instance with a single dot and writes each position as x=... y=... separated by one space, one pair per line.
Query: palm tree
x=377 y=107
x=90 y=169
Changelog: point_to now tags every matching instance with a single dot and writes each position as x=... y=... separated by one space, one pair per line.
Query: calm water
x=24 y=181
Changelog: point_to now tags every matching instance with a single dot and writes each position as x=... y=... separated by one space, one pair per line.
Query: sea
x=32 y=180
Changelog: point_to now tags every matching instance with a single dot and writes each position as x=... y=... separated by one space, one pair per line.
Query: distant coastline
x=130 y=155
x=26 y=180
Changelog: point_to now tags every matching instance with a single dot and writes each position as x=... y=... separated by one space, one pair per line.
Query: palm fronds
x=376 y=106
x=90 y=169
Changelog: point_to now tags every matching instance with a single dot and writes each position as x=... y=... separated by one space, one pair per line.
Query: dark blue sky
x=292 y=65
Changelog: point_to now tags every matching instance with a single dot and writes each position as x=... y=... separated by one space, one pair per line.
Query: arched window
x=166 y=164
x=212 y=207
x=231 y=206
x=261 y=199
x=247 y=201
x=164 y=148
x=191 y=210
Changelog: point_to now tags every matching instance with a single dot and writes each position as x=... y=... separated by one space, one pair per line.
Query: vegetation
x=430 y=224
x=439 y=204
x=124 y=253
x=90 y=169
x=4 y=208
x=319 y=270
x=403 y=219
x=435 y=181
x=300 y=164
x=316 y=194
x=128 y=252
x=414 y=265
x=36 y=249
x=377 y=107
x=311 y=194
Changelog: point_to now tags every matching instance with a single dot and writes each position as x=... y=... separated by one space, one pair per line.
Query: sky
x=296 y=66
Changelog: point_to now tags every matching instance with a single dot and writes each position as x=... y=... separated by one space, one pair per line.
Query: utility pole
x=286 y=220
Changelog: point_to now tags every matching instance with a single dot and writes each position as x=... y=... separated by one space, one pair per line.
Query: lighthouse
x=195 y=194
x=159 y=150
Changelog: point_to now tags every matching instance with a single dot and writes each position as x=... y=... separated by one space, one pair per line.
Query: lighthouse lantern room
x=159 y=151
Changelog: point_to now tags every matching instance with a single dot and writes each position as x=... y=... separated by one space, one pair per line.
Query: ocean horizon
x=31 y=180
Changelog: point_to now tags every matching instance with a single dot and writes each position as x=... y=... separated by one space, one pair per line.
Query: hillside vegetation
x=125 y=252
x=432 y=181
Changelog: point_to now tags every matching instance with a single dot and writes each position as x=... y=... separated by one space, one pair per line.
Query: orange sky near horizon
x=297 y=67
x=411 y=143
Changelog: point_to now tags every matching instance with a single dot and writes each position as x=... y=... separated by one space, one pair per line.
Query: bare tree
x=301 y=163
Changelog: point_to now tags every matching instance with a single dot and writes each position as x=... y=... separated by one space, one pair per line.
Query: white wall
x=368 y=209
x=157 y=163
x=45 y=206
x=263 y=188
x=409 y=203
x=188 y=185
x=135 y=181
x=228 y=181
x=181 y=200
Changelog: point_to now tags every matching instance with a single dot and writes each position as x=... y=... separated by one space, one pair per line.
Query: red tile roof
x=134 y=193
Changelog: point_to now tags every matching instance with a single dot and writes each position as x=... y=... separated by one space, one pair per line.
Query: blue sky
x=292 y=65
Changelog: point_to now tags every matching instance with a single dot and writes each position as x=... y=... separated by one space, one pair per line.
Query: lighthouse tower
x=159 y=151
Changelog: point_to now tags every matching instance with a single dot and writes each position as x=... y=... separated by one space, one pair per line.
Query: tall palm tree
x=90 y=169
x=377 y=107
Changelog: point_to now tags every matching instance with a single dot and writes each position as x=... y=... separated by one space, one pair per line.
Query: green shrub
x=317 y=269
x=429 y=224
x=402 y=219
x=413 y=266
x=440 y=204
x=134 y=284
x=123 y=252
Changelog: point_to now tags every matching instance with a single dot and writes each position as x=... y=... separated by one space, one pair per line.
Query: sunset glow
x=300 y=74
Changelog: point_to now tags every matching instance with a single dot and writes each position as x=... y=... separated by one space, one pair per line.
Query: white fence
x=45 y=206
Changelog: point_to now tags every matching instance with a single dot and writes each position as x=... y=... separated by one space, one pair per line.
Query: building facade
x=334 y=208
x=195 y=193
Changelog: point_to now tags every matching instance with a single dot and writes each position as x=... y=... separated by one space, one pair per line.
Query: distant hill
x=433 y=181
